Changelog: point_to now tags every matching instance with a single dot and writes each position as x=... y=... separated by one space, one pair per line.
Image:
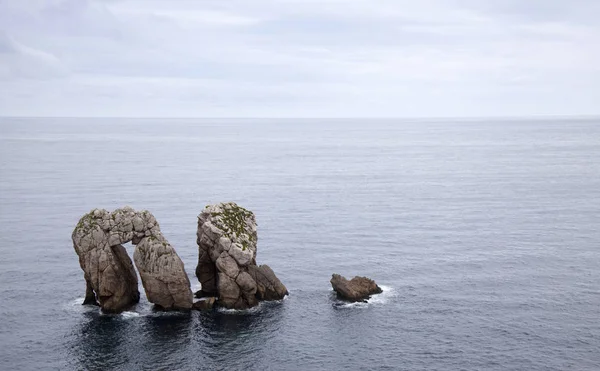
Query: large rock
x=110 y=277
x=268 y=286
x=162 y=273
x=356 y=289
x=227 y=259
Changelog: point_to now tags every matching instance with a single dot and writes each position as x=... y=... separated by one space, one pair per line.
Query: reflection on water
x=170 y=332
x=243 y=333
x=195 y=338
x=163 y=327
x=102 y=342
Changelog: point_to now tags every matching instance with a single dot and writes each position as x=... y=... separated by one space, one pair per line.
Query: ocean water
x=485 y=236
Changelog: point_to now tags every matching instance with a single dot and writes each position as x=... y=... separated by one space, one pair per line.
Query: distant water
x=484 y=235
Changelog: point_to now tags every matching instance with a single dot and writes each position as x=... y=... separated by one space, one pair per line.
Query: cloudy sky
x=299 y=58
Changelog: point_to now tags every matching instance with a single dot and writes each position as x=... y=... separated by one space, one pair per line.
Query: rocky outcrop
x=109 y=273
x=227 y=259
x=268 y=286
x=356 y=289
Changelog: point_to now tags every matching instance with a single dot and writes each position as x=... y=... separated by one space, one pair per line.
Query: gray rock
x=226 y=264
x=110 y=277
x=269 y=287
x=356 y=289
x=138 y=224
x=162 y=272
x=224 y=243
x=246 y=283
x=242 y=256
x=227 y=258
x=229 y=291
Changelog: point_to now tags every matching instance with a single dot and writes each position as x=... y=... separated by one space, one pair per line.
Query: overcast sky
x=299 y=58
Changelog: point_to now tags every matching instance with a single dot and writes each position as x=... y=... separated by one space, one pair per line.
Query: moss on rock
x=232 y=221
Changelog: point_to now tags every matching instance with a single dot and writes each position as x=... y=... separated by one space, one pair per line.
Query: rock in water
x=206 y=303
x=227 y=258
x=162 y=273
x=110 y=277
x=356 y=289
x=268 y=286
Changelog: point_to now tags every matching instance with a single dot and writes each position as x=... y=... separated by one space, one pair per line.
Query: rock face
x=108 y=271
x=356 y=289
x=227 y=259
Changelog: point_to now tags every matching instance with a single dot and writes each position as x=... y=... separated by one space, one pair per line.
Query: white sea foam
x=352 y=305
x=77 y=306
x=387 y=293
x=255 y=309
x=160 y=313
x=128 y=314
x=241 y=311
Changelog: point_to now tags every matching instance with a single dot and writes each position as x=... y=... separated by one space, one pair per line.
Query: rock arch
x=110 y=277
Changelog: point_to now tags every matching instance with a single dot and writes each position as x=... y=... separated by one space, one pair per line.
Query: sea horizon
x=483 y=238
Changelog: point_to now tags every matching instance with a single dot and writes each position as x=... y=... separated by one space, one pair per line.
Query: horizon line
x=499 y=118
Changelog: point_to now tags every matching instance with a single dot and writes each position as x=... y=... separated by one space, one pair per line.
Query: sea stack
x=356 y=289
x=227 y=243
x=111 y=281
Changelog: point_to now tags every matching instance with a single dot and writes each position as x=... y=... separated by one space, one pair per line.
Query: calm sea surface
x=484 y=235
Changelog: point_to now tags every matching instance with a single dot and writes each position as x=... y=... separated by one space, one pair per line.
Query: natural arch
x=110 y=277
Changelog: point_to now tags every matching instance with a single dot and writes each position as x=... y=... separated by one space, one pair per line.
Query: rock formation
x=109 y=273
x=356 y=289
x=227 y=259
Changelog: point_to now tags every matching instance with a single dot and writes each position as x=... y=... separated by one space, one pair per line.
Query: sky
x=299 y=58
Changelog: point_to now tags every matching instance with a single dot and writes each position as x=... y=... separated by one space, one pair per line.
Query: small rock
x=202 y=294
x=206 y=303
x=356 y=289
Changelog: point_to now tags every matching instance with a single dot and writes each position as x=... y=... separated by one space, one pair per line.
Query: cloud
x=299 y=58
x=18 y=61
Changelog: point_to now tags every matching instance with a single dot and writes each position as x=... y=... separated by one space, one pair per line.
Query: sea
x=483 y=234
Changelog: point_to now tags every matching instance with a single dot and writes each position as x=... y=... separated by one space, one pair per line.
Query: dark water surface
x=484 y=235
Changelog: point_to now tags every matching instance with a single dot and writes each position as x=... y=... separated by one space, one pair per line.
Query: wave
x=129 y=314
x=78 y=301
x=252 y=310
x=77 y=306
x=261 y=305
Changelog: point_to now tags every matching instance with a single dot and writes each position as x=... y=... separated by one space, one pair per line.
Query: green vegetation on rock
x=87 y=222
x=232 y=222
